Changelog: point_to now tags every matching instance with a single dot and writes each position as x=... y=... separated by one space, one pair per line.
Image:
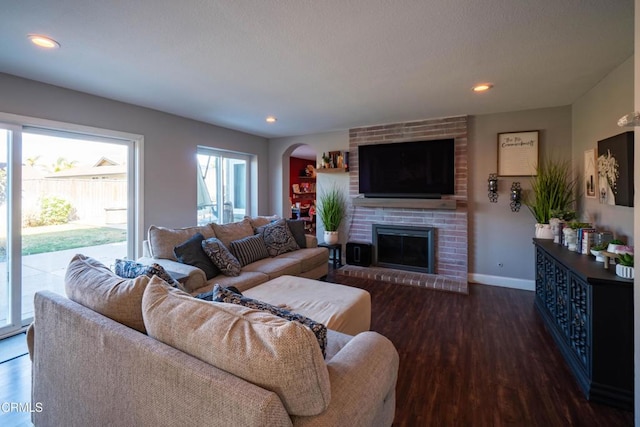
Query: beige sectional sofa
x=310 y=261
x=137 y=352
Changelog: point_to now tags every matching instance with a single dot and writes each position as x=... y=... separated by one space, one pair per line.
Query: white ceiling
x=320 y=65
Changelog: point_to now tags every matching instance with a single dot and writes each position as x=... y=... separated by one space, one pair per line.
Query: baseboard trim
x=505 y=282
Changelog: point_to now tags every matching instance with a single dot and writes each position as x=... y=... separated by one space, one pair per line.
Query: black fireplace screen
x=403 y=247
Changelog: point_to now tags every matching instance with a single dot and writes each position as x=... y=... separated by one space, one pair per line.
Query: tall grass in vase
x=552 y=189
x=331 y=211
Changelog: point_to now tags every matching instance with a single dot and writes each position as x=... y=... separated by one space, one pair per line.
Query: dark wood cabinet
x=589 y=312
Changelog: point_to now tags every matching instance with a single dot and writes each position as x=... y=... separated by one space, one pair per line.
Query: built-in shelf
x=331 y=170
x=376 y=202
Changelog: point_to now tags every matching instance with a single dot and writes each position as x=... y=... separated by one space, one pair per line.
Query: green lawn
x=37 y=243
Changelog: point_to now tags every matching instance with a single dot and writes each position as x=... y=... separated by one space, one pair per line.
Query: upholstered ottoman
x=338 y=307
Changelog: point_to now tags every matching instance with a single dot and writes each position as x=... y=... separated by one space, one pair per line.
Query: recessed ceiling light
x=43 y=41
x=271 y=119
x=482 y=87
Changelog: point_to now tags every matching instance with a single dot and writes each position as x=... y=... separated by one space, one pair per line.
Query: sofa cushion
x=275 y=267
x=220 y=294
x=227 y=233
x=162 y=240
x=130 y=269
x=309 y=258
x=296 y=226
x=261 y=348
x=259 y=221
x=221 y=257
x=249 y=249
x=91 y=284
x=278 y=238
x=191 y=252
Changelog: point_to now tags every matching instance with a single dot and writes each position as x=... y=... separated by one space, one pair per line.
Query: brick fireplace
x=451 y=235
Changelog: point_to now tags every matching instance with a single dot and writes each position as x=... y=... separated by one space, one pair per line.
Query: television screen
x=419 y=169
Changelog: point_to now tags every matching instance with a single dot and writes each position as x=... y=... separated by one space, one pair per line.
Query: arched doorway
x=302 y=185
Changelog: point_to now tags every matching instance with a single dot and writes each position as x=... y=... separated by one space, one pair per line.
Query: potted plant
x=624 y=267
x=552 y=189
x=331 y=210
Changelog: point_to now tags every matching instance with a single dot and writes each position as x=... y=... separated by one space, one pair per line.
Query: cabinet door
x=562 y=299
x=540 y=276
x=580 y=327
x=550 y=285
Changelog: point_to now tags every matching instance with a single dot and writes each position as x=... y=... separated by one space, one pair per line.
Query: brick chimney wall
x=452 y=234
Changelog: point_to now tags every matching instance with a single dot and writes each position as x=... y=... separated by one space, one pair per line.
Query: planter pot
x=624 y=271
x=544 y=231
x=331 y=237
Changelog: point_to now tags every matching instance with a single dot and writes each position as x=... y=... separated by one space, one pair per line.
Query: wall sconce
x=493 y=188
x=516 y=196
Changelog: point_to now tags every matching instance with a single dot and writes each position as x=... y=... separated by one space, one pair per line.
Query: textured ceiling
x=320 y=65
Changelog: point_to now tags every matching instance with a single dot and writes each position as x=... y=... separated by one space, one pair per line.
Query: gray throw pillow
x=249 y=249
x=191 y=253
x=296 y=226
x=221 y=256
x=278 y=238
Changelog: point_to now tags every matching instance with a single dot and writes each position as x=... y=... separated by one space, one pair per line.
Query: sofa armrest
x=195 y=277
x=31 y=333
x=363 y=377
x=312 y=241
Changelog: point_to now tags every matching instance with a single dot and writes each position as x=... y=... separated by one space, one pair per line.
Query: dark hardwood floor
x=483 y=359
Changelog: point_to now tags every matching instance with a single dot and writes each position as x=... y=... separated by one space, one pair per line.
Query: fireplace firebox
x=404 y=247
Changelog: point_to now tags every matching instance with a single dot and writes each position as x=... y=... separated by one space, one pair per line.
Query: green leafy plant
x=331 y=208
x=563 y=215
x=552 y=190
x=600 y=247
x=576 y=225
x=616 y=242
x=626 y=260
x=53 y=210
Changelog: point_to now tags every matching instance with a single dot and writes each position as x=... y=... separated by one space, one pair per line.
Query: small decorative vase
x=544 y=231
x=331 y=237
x=624 y=271
x=556 y=229
x=570 y=238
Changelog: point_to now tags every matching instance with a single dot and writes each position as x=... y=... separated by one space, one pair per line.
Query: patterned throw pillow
x=220 y=294
x=278 y=238
x=296 y=226
x=129 y=269
x=249 y=249
x=221 y=257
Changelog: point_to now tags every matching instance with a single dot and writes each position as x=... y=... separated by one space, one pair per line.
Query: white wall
x=594 y=117
x=170 y=143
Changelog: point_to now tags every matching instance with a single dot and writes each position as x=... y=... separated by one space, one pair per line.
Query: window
x=223 y=186
x=64 y=189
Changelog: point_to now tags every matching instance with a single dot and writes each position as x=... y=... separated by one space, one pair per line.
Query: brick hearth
x=422 y=280
x=451 y=234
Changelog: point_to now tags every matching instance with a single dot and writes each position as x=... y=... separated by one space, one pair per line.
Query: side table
x=335 y=253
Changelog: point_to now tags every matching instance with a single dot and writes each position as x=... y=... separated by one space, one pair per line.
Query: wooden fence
x=93 y=200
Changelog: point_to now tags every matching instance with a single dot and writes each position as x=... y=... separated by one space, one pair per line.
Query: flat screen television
x=417 y=169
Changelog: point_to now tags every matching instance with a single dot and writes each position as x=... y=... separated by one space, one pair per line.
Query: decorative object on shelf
x=552 y=189
x=493 y=188
x=326 y=161
x=516 y=196
x=615 y=169
x=518 y=153
x=310 y=171
x=624 y=267
x=590 y=177
x=331 y=211
x=630 y=120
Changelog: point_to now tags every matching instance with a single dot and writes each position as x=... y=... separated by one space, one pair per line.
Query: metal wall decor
x=516 y=196
x=493 y=188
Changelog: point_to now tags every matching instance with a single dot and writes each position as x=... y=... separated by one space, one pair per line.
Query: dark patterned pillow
x=208 y=296
x=191 y=253
x=278 y=238
x=249 y=249
x=221 y=256
x=129 y=269
x=220 y=294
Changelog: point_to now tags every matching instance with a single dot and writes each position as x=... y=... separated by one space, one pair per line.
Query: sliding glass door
x=223 y=186
x=62 y=193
